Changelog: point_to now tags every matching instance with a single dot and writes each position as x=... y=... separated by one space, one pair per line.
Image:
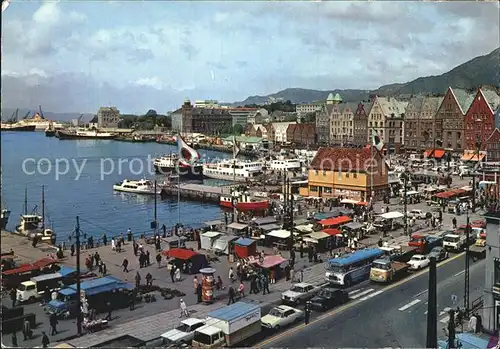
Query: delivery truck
x=36 y=287
x=478 y=250
x=425 y=243
x=385 y=270
x=228 y=326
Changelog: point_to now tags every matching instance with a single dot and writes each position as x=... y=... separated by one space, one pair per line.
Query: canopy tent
x=392 y=215
x=237 y=226
x=214 y=222
x=434 y=153
x=300 y=221
x=332 y=232
x=309 y=239
x=471 y=155
x=271 y=261
x=353 y=225
x=450 y=193
x=264 y=220
x=335 y=221
x=412 y=192
x=195 y=261
x=306 y=228
x=280 y=234
x=326 y=215
x=318 y=235
x=269 y=227
x=180 y=253
x=208 y=238
x=222 y=243
x=244 y=247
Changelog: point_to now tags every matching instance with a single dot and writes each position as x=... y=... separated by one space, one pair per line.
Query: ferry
x=17 y=127
x=87 y=134
x=285 y=164
x=243 y=202
x=167 y=164
x=142 y=186
x=234 y=170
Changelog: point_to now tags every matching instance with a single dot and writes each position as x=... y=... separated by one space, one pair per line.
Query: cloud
x=154 y=82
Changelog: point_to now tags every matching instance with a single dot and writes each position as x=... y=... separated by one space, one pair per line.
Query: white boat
x=40 y=123
x=143 y=186
x=285 y=164
x=234 y=170
x=167 y=165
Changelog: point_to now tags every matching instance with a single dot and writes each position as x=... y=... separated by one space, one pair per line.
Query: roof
x=336 y=220
x=357 y=256
x=211 y=234
x=237 y=226
x=450 y=193
x=269 y=227
x=98 y=285
x=342 y=159
x=495 y=135
x=302 y=284
x=434 y=153
x=180 y=253
x=464 y=98
x=191 y=321
x=280 y=234
x=392 y=215
x=332 y=231
x=234 y=311
x=318 y=235
x=330 y=97
x=244 y=242
x=415 y=105
x=284 y=307
x=40 y=264
x=265 y=220
x=271 y=261
x=350 y=105
x=337 y=98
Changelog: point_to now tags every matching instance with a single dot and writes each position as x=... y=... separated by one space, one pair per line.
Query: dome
x=330 y=97
x=337 y=98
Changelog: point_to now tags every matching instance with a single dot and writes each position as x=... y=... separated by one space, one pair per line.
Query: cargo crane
x=79 y=119
x=41 y=113
x=27 y=115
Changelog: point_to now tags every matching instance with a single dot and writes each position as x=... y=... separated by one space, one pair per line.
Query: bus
x=351 y=268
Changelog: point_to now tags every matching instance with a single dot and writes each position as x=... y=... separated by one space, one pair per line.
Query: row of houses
x=457 y=120
x=302 y=135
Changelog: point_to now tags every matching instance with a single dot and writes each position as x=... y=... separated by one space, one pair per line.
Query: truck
x=478 y=250
x=12 y=278
x=36 y=287
x=425 y=243
x=228 y=326
x=385 y=270
x=97 y=292
x=456 y=242
x=399 y=253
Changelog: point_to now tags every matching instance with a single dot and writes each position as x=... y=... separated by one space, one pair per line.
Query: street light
x=405 y=176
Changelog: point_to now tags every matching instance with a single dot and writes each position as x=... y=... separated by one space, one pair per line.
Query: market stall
x=278 y=238
x=208 y=239
x=334 y=222
x=189 y=261
x=244 y=247
x=264 y=220
x=353 y=229
x=319 y=239
x=238 y=228
x=273 y=265
x=224 y=244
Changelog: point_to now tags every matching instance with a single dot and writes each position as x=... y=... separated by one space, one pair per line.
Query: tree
x=238 y=129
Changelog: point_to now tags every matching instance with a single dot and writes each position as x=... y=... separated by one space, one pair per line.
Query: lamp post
x=467 y=266
x=405 y=202
x=477 y=150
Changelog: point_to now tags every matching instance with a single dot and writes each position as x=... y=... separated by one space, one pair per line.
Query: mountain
x=482 y=70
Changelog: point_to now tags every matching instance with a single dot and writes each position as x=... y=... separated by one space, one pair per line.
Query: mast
x=25 y=200
x=178 y=193
x=156 y=216
x=43 y=207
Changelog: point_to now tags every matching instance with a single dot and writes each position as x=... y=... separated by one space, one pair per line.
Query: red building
x=301 y=134
x=493 y=146
x=479 y=121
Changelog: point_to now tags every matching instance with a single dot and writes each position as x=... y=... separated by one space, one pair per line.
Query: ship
x=39 y=121
x=243 y=202
x=4 y=218
x=87 y=134
x=51 y=130
x=17 y=127
x=167 y=165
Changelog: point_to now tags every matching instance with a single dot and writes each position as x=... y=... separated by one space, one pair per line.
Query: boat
x=17 y=127
x=285 y=164
x=142 y=186
x=234 y=170
x=243 y=202
x=135 y=139
x=167 y=165
x=5 y=212
x=86 y=134
x=51 y=130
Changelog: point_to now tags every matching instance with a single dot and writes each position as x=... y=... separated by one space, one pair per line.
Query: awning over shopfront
x=335 y=221
x=434 y=153
x=237 y=226
x=280 y=234
x=318 y=235
x=471 y=155
x=332 y=231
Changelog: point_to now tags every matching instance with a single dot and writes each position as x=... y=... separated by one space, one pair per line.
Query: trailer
x=228 y=326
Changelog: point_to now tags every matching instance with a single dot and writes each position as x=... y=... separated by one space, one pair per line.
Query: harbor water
x=78 y=176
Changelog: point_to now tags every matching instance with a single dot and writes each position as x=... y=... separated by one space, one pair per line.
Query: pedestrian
x=14 y=339
x=301 y=276
x=72 y=250
x=253 y=285
x=292 y=257
x=241 y=289
x=172 y=273
x=13 y=297
x=199 y=292
x=230 y=293
x=301 y=249
x=137 y=280
x=149 y=280
x=104 y=239
x=454 y=221
x=148 y=259
x=108 y=306
x=131 y=301
x=265 y=285
x=178 y=274
x=97 y=257
x=104 y=269
x=135 y=247
x=195 y=284
x=307 y=312
x=99 y=267
x=158 y=260
x=310 y=254
x=53 y=324
x=27 y=332
x=231 y=274
x=287 y=273
x=184 y=309
x=45 y=340
x=125 y=265
x=292 y=275
x=113 y=244
x=272 y=276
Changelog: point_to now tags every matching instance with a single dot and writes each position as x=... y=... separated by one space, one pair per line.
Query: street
x=394 y=316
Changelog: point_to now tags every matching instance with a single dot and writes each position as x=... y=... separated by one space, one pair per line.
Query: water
x=90 y=195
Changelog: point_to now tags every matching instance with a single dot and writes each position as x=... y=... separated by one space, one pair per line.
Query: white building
x=108 y=117
x=208 y=103
x=280 y=129
x=303 y=109
x=491 y=297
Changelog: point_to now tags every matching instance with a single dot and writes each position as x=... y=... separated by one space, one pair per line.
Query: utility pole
x=467 y=267
x=451 y=330
x=43 y=208
x=78 y=289
x=285 y=199
x=405 y=200
x=155 y=227
x=25 y=200
x=290 y=212
x=432 y=306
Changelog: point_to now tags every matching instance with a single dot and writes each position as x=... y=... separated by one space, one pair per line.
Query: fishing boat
x=243 y=202
x=142 y=186
x=51 y=130
x=87 y=134
x=17 y=127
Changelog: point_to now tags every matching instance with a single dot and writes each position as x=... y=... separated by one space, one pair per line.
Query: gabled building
x=492 y=144
x=449 y=121
x=257 y=130
x=419 y=121
x=301 y=135
x=353 y=173
x=280 y=134
x=336 y=133
x=360 y=123
x=480 y=118
x=108 y=117
x=323 y=118
x=386 y=117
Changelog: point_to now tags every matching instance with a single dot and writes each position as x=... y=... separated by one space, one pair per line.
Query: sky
x=75 y=56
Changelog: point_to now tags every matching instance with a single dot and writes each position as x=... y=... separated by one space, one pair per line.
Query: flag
x=187 y=155
x=236 y=150
x=376 y=140
x=5 y=4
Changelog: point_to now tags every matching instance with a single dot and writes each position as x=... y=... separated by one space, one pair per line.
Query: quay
x=199 y=192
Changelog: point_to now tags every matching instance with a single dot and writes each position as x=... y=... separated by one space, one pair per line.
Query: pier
x=197 y=192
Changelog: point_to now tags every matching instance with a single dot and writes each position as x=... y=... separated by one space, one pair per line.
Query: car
x=418 y=262
x=184 y=333
x=439 y=253
x=419 y=214
x=299 y=293
x=281 y=316
x=328 y=298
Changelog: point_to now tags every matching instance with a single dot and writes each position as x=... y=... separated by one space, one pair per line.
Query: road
x=394 y=316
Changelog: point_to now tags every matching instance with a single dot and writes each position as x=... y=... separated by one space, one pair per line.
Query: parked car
x=418 y=214
x=439 y=253
x=418 y=262
x=184 y=333
x=299 y=293
x=328 y=298
x=281 y=316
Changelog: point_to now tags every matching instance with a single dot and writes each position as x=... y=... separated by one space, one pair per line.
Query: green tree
x=238 y=129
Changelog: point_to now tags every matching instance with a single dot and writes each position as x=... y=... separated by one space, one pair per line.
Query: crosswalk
x=364 y=294
x=443 y=316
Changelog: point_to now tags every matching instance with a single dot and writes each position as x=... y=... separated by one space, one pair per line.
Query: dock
x=199 y=192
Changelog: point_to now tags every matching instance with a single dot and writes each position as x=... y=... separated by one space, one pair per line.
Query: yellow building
x=352 y=173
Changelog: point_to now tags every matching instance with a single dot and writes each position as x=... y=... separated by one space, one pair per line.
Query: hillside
x=482 y=70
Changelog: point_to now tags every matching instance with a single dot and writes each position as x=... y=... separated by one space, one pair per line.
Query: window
x=496 y=272
x=327 y=190
x=347 y=175
x=314 y=188
x=355 y=175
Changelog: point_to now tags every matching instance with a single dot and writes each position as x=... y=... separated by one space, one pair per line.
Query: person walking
x=125 y=265
x=53 y=324
x=149 y=280
x=172 y=273
x=184 y=309
x=230 y=293
x=292 y=275
x=104 y=269
x=72 y=250
x=13 y=297
x=301 y=275
x=241 y=289
x=14 y=339
x=265 y=284
x=158 y=260
x=178 y=274
x=137 y=280
x=195 y=284
x=27 y=333
x=307 y=312
x=454 y=222
x=231 y=274
x=199 y=293
x=45 y=340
